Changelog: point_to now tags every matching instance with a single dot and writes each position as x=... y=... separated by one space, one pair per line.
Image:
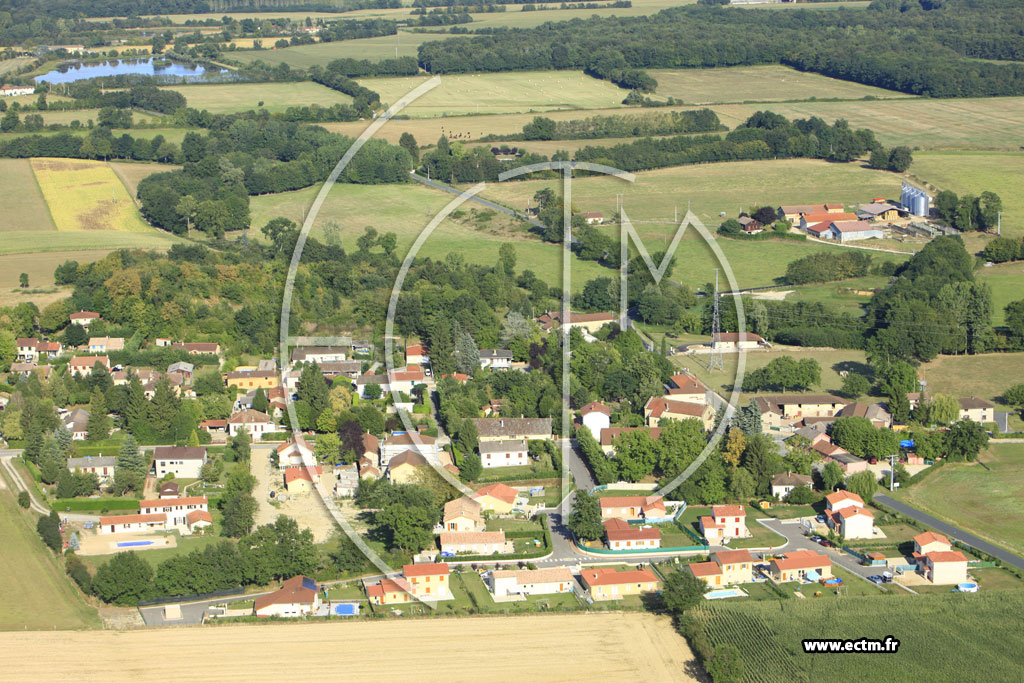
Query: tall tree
x=98 y=424
x=585 y=518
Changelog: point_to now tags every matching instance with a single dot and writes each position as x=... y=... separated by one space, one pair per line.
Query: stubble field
x=223 y=98
x=612 y=647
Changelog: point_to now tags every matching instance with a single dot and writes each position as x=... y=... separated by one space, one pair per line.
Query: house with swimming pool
x=801 y=565
x=726 y=568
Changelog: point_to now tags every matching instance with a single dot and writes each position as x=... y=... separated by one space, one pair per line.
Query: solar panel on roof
x=309 y=583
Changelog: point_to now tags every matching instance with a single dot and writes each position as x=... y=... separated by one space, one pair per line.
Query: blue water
x=724 y=593
x=129 y=544
x=76 y=71
x=346 y=609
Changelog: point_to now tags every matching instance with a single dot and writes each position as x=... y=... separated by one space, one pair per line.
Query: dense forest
x=925 y=48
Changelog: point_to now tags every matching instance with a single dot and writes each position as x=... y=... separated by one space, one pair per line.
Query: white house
x=596 y=416
x=83 y=365
x=476 y=542
x=416 y=354
x=976 y=409
x=182 y=514
x=846 y=515
x=83 y=318
x=785 y=482
x=294 y=453
x=184 y=462
x=548 y=581
x=495 y=359
x=505 y=453
x=298 y=597
x=102 y=466
x=724 y=522
x=252 y=421
x=77 y=422
x=732 y=341
x=319 y=354
x=17 y=90
x=105 y=344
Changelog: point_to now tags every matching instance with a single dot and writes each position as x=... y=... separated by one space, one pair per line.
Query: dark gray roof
x=511 y=426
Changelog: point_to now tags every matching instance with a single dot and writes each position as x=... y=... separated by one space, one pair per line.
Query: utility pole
x=999 y=223
x=892 y=472
x=715 y=362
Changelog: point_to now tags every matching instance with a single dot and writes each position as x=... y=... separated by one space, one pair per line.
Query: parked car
x=873 y=461
x=876 y=579
x=820 y=519
x=825 y=542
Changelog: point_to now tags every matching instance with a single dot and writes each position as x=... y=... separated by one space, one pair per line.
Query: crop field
x=494 y=93
x=86 y=195
x=974 y=173
x=427 y=131
x=830 y=360
x=9 y=65
x=990 y=123
x=985 y=375
x=984 y=501
x=619 y=647
x=24 y=206
x=514 y=17
x=175 y=135
x=757 y=84
x=39 y=267
x=223 y=98
x=978 y=633
x=406 y=210
x=35 y=592
x=374 y=49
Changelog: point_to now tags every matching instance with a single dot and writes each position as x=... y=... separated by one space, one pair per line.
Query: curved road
x=952 y=531
x=5 y=458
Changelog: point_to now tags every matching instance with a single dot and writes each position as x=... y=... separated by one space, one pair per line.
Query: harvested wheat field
x=86 y=195
x=607 y=647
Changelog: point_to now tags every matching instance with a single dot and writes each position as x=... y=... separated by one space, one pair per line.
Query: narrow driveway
x=191 y=612
x=952 y=531
x=795 y=540
x=1003 y=422
x=6 y=456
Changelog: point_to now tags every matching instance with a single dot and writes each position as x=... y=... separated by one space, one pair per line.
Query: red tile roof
x=499 y=491
x=840 y=496
x=199 y=516
x=429 y=569
x=595 y=406
x=131 y=519
x=702 y=569
x=709 y=523
x=802 y=559
x=940 y=556
x=609 y=434
x=608 y=576
x=931 y=537
x=854 y=511
x=172 y=502
x=728 y=511
x=625 y=532
x=687 y=383
x=645 y=503
x=294 y=473
x=294 y=591
x=659 y=406
x=733 y=556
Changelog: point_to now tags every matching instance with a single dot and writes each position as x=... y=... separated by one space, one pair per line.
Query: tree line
x=939 y=61
x=617 y=126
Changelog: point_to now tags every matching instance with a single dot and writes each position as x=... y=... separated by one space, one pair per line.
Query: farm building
x=845 y=231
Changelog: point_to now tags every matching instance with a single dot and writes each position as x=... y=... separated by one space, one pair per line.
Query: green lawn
x=761 y=537
x=35 y=594
x=185 y=545
x=374 y=49
x=1007 y=283
x=830 y=360
x=986 y=502
x=224 y=98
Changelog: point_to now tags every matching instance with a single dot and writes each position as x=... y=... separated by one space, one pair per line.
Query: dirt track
x=607 y=647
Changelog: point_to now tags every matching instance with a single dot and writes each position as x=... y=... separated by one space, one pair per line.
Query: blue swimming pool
x=345 y=609
x=724 y=593
x=131 y=544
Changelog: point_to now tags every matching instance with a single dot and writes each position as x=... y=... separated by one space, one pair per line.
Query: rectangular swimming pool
x=725 y=593
x=131 y=544
x=345 y=609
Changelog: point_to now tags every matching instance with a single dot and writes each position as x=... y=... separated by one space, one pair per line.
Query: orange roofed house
x=801 y=565
x=497 y=498
x=417 y=582
x=724 y=522
x=725 y=568
x=648 y=508
x=937 y=560
x=606 y=583
x=659 y=408
x=622 y=536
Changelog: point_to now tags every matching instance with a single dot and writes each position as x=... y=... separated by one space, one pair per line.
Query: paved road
x=951 y=531
x=191 y=612
x=795 y=540
x=1003 y=422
